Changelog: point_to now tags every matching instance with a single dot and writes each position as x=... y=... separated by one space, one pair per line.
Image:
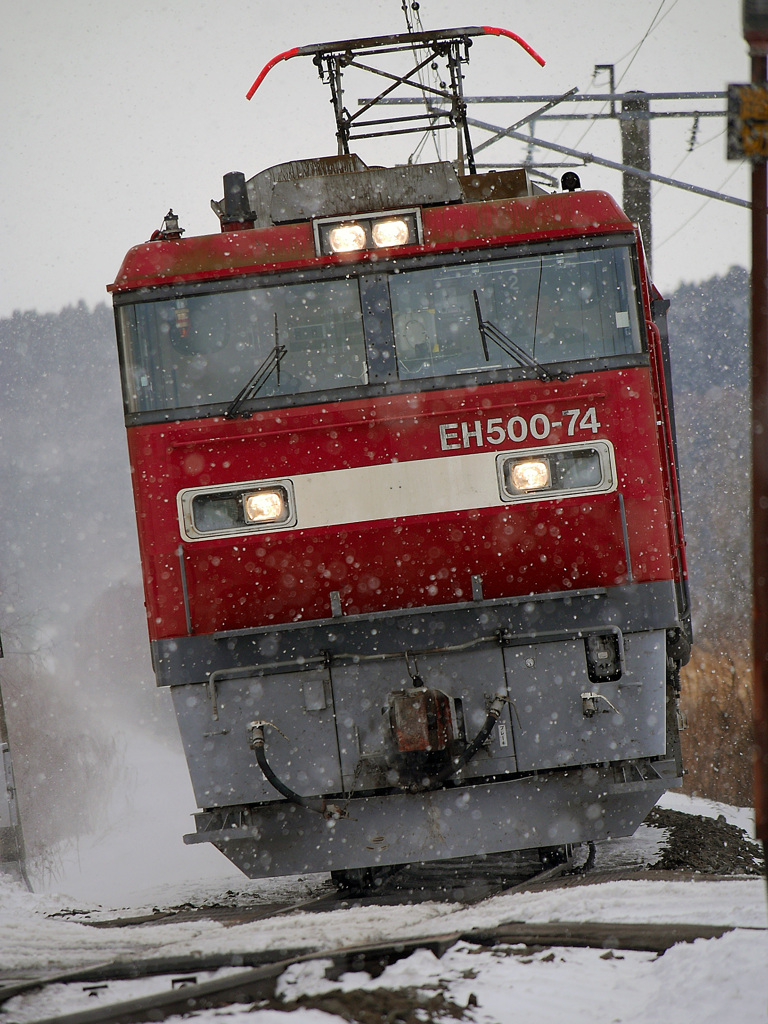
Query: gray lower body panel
x=323 y=693
x=329 y=732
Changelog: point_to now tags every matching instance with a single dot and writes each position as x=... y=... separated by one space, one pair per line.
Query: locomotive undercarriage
x=543 y=810
x=565 y=704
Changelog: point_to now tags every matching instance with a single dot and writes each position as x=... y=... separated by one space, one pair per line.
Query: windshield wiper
x=489 y=331
x=259 y=379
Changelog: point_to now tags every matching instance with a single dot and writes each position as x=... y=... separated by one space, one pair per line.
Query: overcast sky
x=113 y=112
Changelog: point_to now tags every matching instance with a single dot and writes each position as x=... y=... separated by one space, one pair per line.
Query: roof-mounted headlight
x=347 y=238
x=389 y=232
x=372 y=231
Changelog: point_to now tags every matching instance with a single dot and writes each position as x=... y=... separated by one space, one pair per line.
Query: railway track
x=196 y=982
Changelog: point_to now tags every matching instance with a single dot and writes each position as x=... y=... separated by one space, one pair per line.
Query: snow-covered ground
x=138 y=864
x=712 y=980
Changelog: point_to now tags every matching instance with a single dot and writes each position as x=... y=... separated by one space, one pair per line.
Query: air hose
x=321 y=806
x=318 y=804
x=457 y=763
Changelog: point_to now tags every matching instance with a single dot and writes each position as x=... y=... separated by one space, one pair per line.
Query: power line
x=648 y=32
x=706 y=202
x=412 y=12
x=589 y=158
x=626 y=69
x=687 y=154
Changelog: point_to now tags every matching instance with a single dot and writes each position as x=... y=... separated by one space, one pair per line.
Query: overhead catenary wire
x=657 y=19
x=688 y=220
x=412 y=11
x=699 y=145
x=655 y=22
x=702 y=206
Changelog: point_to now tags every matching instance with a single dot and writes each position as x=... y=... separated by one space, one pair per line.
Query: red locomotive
x=404 y=469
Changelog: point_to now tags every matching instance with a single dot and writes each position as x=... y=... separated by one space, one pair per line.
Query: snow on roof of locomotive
x=490 y=209
x=345 y=186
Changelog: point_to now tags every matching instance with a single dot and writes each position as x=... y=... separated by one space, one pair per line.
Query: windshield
x=556 y=308
x=203 y=349
x=223 y=348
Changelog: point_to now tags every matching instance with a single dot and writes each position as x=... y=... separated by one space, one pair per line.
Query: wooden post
x=755 y=25
x=759 y=331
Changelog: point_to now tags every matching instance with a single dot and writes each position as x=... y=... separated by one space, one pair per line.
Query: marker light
x=263 y=507
x=530 y=476
x=346 y=238
x=393 y=231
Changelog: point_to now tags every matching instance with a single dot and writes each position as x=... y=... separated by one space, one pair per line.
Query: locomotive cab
x=404 y=468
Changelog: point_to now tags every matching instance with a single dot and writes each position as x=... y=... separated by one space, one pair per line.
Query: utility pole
x=748 y=137
x=635 y=125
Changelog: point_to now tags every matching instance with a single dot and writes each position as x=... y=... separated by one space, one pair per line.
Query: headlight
x=368 y=231
x=552 y=472
x=264 y=506
x=532 y=474
x=393 y=231
x=346 y=238
x=241 y=509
